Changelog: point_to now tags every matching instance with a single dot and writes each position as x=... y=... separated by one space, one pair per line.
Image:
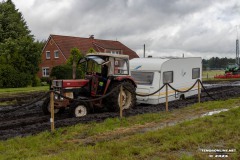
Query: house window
x=167 y=77
x=56 y=54
x=45 y=71
x=48 y=55
x=115 y=52
x=195 y=73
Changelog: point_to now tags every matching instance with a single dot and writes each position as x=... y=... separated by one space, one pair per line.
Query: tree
x=17 y=46
x=75 y=56
x=74 y=52
x=91 y=50
x=217 y=63
x=12 y=23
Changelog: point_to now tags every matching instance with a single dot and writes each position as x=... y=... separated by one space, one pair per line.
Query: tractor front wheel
x=46 y=108
x=78 y=109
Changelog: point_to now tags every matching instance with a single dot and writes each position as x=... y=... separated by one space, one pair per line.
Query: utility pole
x=237 y=47
x=143 y=50
x=237 y=52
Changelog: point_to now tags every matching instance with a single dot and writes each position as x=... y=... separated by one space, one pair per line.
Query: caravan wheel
x=182 y=97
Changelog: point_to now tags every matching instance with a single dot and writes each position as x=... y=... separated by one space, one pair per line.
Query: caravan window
x=167 y=77
x=143 y=78
x=195 y=73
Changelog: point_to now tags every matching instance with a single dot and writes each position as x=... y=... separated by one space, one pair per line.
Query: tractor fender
x=126 y=78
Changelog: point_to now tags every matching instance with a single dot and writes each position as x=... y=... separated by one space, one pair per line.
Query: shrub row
x=11 y=78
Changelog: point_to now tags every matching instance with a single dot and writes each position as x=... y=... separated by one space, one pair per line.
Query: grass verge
x=210 y=74
x=182 y=141
x=23 y=90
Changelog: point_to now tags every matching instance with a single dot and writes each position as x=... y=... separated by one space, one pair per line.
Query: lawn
x=23 y=90
x=210 y=74
x=128 y=138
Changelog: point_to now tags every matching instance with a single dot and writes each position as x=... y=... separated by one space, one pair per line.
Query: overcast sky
x=203 y=28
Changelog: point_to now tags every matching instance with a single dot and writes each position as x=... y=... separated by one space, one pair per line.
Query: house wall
x=50 y=63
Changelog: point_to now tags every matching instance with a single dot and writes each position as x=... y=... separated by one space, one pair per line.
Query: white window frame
x=44 y=72
x=56 y=51
x=115 y=52
x=195 y=73
x=48 y=57
x=143 y=78
x=168 y=77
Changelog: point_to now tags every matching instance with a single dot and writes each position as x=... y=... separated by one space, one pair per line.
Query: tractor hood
x=74 y=83
x=70 y=83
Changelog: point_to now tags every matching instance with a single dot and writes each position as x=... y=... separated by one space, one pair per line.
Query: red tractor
x=104 y=72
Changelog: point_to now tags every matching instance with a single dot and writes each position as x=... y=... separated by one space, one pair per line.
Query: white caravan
x=151 y=74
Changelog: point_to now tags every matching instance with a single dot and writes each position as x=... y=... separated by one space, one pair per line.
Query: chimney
x=91 y=36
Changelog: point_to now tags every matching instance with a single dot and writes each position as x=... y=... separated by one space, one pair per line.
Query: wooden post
x=121 y=107
x=198 y=91
x=167 y=97
x=52 y=110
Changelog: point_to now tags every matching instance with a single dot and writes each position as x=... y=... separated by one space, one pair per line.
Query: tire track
x=31 y=121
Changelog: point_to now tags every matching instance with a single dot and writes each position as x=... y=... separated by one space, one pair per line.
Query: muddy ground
x=30 y=120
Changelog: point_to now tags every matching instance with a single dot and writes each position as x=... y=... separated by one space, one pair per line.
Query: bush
x=11 y=78
x=36 y=81
x=45 y=79
x=65 y=72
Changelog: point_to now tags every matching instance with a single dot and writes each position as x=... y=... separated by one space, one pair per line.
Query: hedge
x=11 y=78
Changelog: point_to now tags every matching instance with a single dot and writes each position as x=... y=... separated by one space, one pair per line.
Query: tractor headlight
x=55 y=96
x=69 y=94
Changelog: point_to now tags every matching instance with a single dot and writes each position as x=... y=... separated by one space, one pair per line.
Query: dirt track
x=30 y=121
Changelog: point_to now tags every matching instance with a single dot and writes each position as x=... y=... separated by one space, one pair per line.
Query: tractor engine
x=67 y=88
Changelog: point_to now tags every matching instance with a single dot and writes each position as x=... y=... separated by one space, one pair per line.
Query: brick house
x=57 y=50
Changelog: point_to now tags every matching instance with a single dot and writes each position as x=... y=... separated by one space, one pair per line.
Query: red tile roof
x=66 y=43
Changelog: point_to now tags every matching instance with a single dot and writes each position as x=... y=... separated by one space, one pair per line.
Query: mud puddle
x=226 y=84
x=154 y=126
x=173 y=123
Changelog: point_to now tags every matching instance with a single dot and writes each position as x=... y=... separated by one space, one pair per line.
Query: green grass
x=210 y=74
x=5 y=92
x=181 y=141
x=6 y=103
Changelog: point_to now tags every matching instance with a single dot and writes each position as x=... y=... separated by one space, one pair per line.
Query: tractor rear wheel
x=112 y=102
x=46 y=108
x=78 y=109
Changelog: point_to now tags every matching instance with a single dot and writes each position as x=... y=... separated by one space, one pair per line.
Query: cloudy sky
x=203 y=28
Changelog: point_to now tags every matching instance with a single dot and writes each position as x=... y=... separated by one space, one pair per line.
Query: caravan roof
x=147 y=64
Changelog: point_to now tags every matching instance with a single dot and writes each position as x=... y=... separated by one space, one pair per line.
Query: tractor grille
x=57 y=87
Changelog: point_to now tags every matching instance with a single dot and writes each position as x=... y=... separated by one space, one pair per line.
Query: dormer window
x=115 y=52
x=56 y=54
x=48 y=55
